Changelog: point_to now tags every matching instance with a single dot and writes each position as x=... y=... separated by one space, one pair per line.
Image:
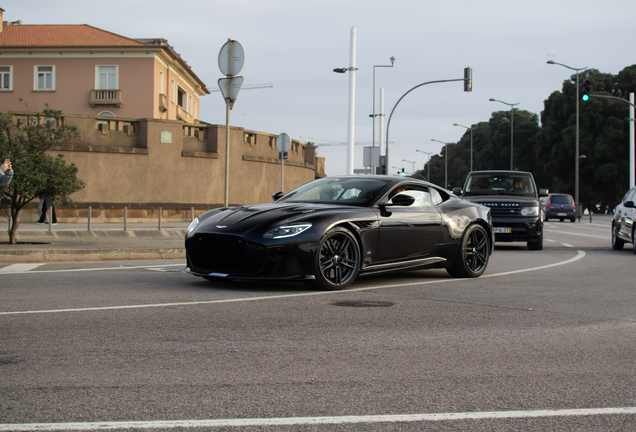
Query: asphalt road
x=544 y=341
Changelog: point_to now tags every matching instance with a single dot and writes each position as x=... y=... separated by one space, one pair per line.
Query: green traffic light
x=585 y=98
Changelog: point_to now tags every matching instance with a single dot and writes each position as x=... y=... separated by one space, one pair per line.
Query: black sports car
x=331 y=230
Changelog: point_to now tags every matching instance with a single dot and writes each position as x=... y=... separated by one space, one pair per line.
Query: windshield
x=345 y=191
x=495 y=184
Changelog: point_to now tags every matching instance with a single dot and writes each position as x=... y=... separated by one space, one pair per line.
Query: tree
x=25 y=141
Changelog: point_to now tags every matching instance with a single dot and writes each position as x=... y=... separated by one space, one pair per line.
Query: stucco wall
x=131 y=165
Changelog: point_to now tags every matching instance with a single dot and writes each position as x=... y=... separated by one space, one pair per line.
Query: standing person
x=45 y=206
x=6 y=173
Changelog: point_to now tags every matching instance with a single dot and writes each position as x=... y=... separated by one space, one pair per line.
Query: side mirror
x=629 y=204
x=277 y=195
x=544 y=192
x=457 y=191
x=402 y=200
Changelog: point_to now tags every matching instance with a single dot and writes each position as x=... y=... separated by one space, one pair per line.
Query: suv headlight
x=288 y=230
x=530 y=211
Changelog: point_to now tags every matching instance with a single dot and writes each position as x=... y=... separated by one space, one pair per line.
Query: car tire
x=617 y=243
x=573 y=220
x=536 y=244
x=634 y=240
x=473 y=254
x=337 y=261
x=562 y=220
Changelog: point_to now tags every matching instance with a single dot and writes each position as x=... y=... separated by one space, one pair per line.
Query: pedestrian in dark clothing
x=48 y=204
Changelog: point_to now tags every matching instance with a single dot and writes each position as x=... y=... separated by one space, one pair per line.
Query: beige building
x=136 y=105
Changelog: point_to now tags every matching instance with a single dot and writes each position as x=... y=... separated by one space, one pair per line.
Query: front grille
x=225 y=254
x=502 y=209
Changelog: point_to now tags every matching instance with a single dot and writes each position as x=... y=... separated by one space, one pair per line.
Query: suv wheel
x=634 y=240
x=536 y=245
x=616 y=242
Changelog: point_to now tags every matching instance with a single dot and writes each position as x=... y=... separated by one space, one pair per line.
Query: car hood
x=263 y=217
x=497 y=199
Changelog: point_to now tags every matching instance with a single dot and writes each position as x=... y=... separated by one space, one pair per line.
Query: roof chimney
x=2 y=26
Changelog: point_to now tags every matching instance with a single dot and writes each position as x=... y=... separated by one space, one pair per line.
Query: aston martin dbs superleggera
x=333 y=229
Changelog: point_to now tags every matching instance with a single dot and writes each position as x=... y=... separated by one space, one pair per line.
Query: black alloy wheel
x=473 y=255
x=337 y=260
x=616 y=242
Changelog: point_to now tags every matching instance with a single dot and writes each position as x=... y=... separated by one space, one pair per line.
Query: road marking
x=19 y=268
x=548 y=240
x=578 y=234
x=297 y=421
x=147 y=267
x=580 y=254
x=567 y=245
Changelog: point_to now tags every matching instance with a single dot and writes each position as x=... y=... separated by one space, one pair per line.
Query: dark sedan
x=329 y=231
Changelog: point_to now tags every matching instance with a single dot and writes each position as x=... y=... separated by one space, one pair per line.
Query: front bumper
x=234 y=257
x=520 y=229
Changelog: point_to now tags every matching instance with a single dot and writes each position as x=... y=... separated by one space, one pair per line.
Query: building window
x=172 y=91
x=107 y=77
x=161 y=82
x=190 y=105
x=6 y=77
x=44 y=78
x=182 y=98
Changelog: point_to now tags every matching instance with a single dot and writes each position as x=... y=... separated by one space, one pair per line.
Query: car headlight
x=192 y=227
x=530 y=211
x=288 y=230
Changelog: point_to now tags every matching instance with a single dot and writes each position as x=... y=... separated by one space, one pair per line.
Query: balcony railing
x=183 y=115
x=163 y=102
x=105 y=97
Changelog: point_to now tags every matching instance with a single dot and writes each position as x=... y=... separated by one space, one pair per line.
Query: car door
x=625 y=217
x=410 y=232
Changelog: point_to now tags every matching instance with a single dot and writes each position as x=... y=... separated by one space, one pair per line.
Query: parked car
x=513 y=199
x=330 y=230
x=623 y=228
x=560 y=206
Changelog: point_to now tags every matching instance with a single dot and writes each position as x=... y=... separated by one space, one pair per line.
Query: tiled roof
x=82 y=35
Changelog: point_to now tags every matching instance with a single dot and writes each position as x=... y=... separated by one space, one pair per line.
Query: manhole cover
x=363 y=303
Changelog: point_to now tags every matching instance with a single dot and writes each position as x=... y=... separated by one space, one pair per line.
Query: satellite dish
x=231 y=58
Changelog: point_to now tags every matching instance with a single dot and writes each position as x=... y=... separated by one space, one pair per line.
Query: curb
x=61 y=255
x=72 y=234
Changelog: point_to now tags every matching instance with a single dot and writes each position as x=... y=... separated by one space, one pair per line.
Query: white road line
x=580 y=254
x=297 y=421
x=149 y=267
x=19 y=268
x=579 y=234
x=567 y=245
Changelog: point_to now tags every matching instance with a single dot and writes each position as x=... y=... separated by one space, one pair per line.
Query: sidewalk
x=105 y=242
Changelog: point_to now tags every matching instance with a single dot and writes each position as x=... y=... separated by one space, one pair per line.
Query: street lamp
x=428 y=163
x=512 y=122
x=445 y=161
x=576 y=157
x=412 y=165
x=398 y=168
x=471 y=142
x=374 y=115
x=352 y=95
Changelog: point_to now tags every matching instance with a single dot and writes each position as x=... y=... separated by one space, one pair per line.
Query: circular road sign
x=231 y=58
x=283 y=142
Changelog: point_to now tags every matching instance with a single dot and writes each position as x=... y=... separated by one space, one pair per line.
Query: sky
x=294 y=45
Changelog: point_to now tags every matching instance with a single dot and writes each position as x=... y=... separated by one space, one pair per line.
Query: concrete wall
x=152 y=162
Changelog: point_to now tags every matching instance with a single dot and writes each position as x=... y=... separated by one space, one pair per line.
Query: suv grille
x=225 y=254
x=502 y=209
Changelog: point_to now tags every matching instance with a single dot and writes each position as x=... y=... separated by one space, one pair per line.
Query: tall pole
x=471 y=142
x=632 y=174
x=512 y=124
x=352 y=103
x=381 y=119
x=375 y=66
x=227 y=148
x=576 y=168
x=445 y=161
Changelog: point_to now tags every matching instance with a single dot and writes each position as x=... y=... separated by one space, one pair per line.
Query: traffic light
x=468 y=79
x=402 y=173
x=585 y=91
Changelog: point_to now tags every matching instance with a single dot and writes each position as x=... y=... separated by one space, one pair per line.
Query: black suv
x=514 y=204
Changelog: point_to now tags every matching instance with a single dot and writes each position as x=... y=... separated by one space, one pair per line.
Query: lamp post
x=428 y=163
x=352 y=95
x=398 y=168
x=445 y=161
x=471 y=142
x=512 y=123
x=374 y=115
x=576 y=156
x=412 y=165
